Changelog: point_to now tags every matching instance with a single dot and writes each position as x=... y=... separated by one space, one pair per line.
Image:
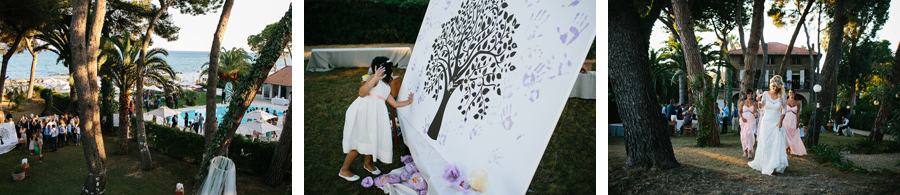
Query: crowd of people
x=53 y=131
x=153 y=101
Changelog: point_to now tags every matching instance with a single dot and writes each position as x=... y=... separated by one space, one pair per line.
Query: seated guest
x=844 y=126
x=688 y=119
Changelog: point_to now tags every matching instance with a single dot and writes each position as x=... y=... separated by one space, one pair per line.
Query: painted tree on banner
x=470 y=56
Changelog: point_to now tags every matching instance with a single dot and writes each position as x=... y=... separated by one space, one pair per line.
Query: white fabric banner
x=491 y=78
x=9 y=137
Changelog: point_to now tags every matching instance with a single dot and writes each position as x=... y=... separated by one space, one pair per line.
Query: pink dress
x=793 y=133
x=747 y=138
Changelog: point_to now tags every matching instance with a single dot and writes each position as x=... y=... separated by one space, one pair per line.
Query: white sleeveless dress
x=770 y=149
x=367 y=126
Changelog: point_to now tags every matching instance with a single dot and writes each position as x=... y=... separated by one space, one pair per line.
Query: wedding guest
x=367 y=129
x=748 y=123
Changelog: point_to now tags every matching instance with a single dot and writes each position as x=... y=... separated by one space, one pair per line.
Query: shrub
x=248 y=156
x=191 y=97
x=832 y=154
x=54 y=101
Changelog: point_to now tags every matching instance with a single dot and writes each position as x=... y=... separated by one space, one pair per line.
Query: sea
x=185 y=63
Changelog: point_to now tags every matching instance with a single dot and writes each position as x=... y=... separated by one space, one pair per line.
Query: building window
x=770 y=60
x=796 y=60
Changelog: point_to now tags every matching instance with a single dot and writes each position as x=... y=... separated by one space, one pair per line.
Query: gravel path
x=874 y=162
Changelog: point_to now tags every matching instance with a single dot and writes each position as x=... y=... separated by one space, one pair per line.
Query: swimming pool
x=220 y=112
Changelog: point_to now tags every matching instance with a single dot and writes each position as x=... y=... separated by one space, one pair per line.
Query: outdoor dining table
x=616 y=130
x=280 y=101
x=585 y=86
x=679 y=123
x=321 y=60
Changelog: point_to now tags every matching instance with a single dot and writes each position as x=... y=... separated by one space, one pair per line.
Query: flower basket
x=18 y=176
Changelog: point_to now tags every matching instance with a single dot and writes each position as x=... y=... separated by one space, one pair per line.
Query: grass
x=64 y=171
x=570 y=155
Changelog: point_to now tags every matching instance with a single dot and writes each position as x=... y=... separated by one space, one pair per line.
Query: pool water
x=220 y=112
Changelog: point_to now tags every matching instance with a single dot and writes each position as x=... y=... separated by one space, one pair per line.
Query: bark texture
x=281 y=162
x=827 y=78
x=646 y=141
x=210 y=123
x=750 y=60
x=85 y=48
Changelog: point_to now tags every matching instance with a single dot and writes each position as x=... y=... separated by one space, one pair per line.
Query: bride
x=770 y=155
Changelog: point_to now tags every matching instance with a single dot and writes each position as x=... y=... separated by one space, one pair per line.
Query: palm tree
x=232 y=64
x=674 y=56
x=56 y=41
x=660 y=73
x=121 y=55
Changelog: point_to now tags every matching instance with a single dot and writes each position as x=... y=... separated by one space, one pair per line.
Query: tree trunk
x=832 y=60
x=34 y=55
x=683 y=90
x=434 y=128
x=212 y=79
x=782 y=70
x=85 y=46
x=646 y=141
x=765 y=47
x=9 y=52
x=750 y=60
x=124 y=122
x=696 y=73
x=244 y=93
x=281 y=160
x=146 y=159
x=812 y=130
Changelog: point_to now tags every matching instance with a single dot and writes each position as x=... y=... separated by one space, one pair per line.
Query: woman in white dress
x=367 y=126
x=770 y=154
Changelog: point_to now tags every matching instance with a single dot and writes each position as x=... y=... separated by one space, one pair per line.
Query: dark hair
x=671 y=101
x=383 y=62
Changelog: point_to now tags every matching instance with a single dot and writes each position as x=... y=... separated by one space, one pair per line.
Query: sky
x=247 y=18
x=783 y=35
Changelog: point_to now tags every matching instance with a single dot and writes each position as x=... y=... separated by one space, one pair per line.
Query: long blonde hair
x=779 y=86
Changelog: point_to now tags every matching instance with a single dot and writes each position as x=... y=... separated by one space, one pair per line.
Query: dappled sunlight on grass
x=719 y=157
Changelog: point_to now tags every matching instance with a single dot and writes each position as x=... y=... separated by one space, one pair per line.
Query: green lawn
x=567 y=166
x=64 y=172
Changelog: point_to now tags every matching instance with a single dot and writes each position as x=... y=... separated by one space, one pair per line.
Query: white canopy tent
x=259 y=115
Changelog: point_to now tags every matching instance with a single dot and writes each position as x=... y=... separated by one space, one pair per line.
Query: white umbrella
x=163 y=112
x=259 y=115
x=249 y=127
x=152 y=88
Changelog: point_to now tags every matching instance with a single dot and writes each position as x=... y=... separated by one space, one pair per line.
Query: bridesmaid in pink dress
x=790 y=122
x=748 y=123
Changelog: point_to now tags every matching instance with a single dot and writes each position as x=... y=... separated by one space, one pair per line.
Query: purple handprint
x=580 y=21
x=529 y=3
x=506 y=117
x=534 y=95
x=573 y=3
x=447 y=4
x=495 y=157
x=538 y=18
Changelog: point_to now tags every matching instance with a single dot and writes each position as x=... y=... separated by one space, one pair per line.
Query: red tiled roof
x=281 y=77
x=776 y=48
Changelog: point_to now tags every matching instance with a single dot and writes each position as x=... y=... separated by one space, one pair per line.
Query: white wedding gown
x=770 y=149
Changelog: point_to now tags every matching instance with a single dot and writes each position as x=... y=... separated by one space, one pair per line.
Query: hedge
x=248 y=156
x=54 y=100
x=362 y=21
x=341 y=22
x=862 y=121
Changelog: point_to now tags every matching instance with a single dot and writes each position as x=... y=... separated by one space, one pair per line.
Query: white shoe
x=375 y=172
x=354 y=178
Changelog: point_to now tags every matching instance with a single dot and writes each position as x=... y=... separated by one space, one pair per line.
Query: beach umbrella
x=152 y=88
x=248 y=128
x=163 y=112
x=259 y=115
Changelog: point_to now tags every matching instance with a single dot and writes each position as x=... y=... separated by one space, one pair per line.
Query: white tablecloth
x=321 y=60
x=585 y=86
x=281 y=101
x=679 y=123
